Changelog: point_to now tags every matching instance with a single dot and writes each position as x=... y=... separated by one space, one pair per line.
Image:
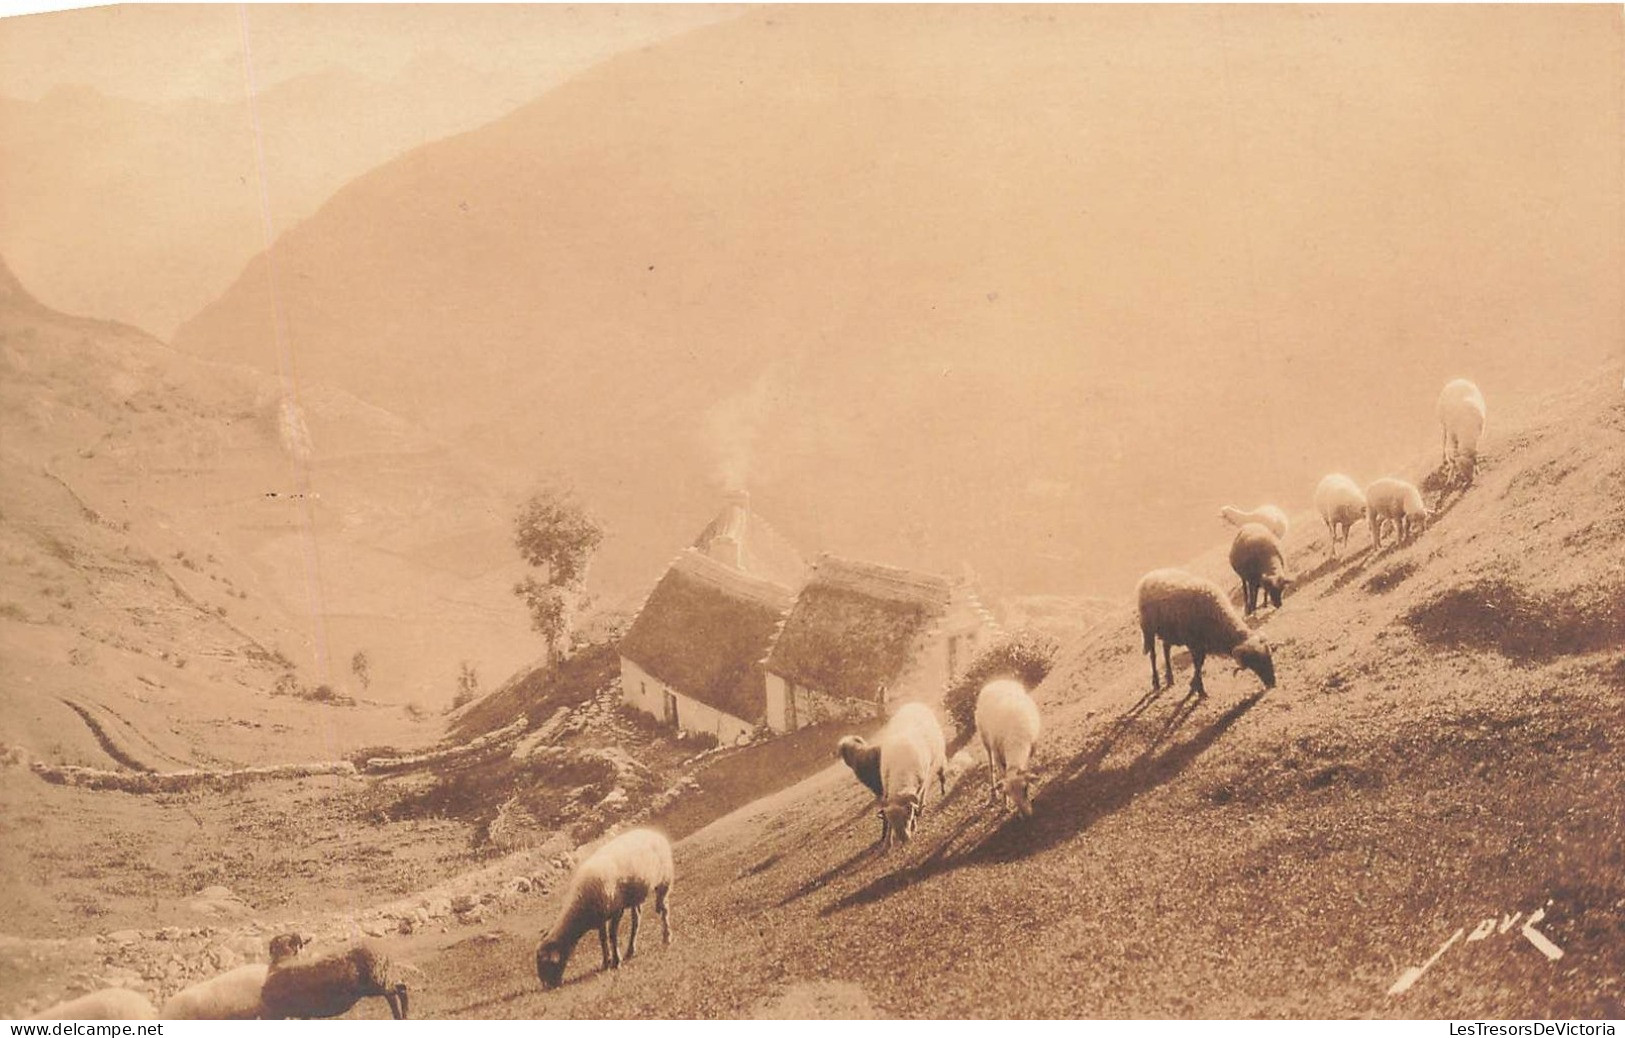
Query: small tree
x=362 y=668
x=554 y=533
x=549 y=611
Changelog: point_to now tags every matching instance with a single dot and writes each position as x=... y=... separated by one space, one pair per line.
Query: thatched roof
x=764 y=552
x=855 y=625
x=704 y=631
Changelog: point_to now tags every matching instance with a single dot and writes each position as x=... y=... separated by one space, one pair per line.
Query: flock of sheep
x=907 y=758
x=1183 y=609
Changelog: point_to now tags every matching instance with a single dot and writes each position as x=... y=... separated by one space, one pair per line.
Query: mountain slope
x=1442 y=749
x=881 y=262
x=178 y=534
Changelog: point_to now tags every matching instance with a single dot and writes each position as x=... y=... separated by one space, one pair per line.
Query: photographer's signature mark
x=1486 y=928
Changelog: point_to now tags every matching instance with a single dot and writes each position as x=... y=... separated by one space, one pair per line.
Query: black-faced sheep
x=312 y=989
x=285 y=945
x=1266 y=515
x=1255 y=555
x=106 y=1004
x=1341 y=504
x=234 y=994
x=618 y=876
x=1008 y=722
x=1183 y=609
x=912 y=753
x=1397 y=501
x=863 y=758
x=1461 y=417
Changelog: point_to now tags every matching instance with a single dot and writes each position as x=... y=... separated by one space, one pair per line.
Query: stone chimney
x=728 y=546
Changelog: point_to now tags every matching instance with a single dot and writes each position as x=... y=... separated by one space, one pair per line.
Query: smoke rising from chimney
x=734 y=427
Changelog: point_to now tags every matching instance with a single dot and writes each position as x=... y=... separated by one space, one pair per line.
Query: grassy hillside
x=1442 y=748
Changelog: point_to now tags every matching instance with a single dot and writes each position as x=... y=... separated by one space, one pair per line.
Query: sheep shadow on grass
x=1305 y=579
x=818 y=882
x=864 y=854
x=479 y=1009
x=1068 y=803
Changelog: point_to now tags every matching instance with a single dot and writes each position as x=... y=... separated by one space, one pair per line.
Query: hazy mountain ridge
x=180 y=186
x=1016 y=258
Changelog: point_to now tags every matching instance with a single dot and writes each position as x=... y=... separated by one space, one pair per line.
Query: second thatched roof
x=855 y=627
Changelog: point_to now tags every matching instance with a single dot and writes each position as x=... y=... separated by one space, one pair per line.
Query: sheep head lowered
x=1254 y=654
x=898 y=815
x=1275 y=585
x=1018 y=788
x=550 y=960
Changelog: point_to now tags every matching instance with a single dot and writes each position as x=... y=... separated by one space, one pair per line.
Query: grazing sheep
x=1007 y=719
x=618 y=876
x=1341 y=504
x=1396 y=500
x=1266 y=515
x=309 y=989
x=234 y=994
x=1255 y=555
x=863 y=758
x=912 y=752
x=1461 y=417
x=1183 y=609
x=106 y=1004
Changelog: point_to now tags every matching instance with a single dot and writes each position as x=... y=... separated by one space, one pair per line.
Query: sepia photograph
x=1107 y=512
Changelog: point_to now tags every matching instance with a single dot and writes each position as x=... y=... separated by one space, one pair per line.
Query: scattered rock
x=218 y=901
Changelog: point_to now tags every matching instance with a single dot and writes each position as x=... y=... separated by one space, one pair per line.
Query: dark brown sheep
x=313 y=989
x=1183 y=609
x=1255 y=555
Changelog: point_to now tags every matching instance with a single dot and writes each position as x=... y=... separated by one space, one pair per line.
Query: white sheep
x=618 y=876
x=234 y=994
x=1266 y=515
x=912 y=752
x=1184 y=609
x=314 y=989
x=1341 y=504
x=1461 y=417
x=1397 y=501
x=1008 y=722
x=106 y=1004
x=1255 y=555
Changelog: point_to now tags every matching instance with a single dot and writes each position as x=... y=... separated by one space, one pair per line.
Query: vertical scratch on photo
x=289 y=410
